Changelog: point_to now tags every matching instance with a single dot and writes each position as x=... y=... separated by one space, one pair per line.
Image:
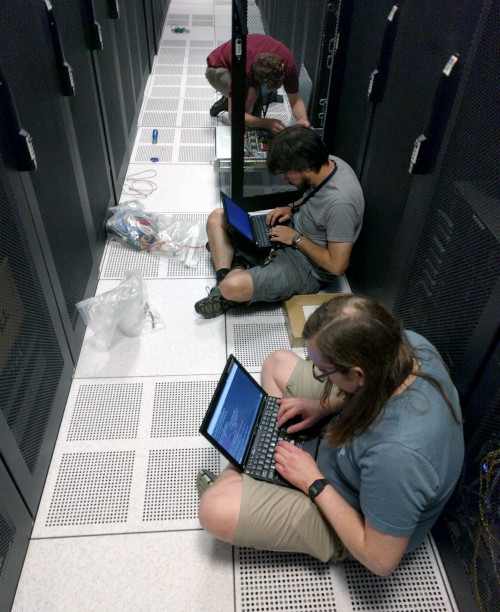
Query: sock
x=238 y=262
x=220 y=274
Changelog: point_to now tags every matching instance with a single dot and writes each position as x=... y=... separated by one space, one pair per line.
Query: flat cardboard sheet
x=298 y=308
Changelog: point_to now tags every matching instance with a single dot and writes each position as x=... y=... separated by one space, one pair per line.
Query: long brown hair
x=353 y=331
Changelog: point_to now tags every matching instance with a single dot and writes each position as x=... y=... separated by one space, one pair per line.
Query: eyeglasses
x=320 y=376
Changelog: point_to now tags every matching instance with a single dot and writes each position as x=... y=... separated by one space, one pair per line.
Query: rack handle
x=114 y=9
x=65 y=70
x=95 y=30
x=21 y=139
x=378 y=78
x=427 y=144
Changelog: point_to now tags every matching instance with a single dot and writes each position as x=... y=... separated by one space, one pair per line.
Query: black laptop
x=251 y=227
x=241 y=423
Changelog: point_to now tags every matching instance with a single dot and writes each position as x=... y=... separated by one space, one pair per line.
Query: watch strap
x=316 y=488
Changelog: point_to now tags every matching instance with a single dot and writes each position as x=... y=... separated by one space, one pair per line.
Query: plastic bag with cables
x=171 y=234
x=126 y=307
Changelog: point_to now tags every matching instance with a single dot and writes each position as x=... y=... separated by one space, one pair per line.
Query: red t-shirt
x=256 y=44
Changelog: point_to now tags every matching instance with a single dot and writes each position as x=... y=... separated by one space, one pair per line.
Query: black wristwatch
x=316 y=488
x=295 y=241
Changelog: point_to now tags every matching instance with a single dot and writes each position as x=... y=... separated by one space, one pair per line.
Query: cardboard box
x=298 y=309
x=11 y=312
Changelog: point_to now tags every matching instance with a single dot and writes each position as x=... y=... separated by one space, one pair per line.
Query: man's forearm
x=321 y=256
x=299 y=110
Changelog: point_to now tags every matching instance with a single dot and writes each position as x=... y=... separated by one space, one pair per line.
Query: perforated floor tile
x=252 y=342
x=106 y=411
x=127 y=456
x=157 y=264
x=179 y=407
x=416 y=584
x=269 y=581
x=171 y=492
x=92 y=488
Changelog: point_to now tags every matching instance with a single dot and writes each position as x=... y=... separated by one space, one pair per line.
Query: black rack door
x=428 y=34
x=122 y=67
x=450 y=278
x=361 y=33
x=35 y=364
x=35 y=103
x=85 y=112
x=15 y=530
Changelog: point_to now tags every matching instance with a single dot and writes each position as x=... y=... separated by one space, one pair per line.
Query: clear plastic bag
x=126 y=307
x=170 y=234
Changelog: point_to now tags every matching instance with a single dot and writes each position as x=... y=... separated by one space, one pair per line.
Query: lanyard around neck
x=318 y=187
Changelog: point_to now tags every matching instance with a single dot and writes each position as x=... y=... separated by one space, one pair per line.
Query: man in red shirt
x=269 y=64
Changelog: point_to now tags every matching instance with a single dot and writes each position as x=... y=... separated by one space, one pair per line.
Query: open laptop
x=253 y=228
x=241 y=423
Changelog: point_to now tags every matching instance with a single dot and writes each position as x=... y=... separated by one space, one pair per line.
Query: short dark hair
x=295 y=148
x=268 y=69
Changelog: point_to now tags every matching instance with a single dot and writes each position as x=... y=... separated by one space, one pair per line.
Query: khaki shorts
x=277 y=518
x=219 y=79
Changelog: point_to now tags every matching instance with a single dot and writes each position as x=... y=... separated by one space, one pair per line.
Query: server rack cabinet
x=84 y=106
x=360 y=52
x=15 y=530
x=467 y=531
x=319 y=46
x=427 y=35
x=35 y=362
x=39 y=121
x=121 y=62
x=158 y=10
x=430 y=247
x=449 y=269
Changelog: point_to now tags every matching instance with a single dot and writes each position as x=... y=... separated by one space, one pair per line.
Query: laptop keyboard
x=261 y=463
x=261 y=230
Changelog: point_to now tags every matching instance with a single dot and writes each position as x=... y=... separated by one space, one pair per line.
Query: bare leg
x=276 y=371
x=220 y=505
x=237 y=285
x=218 y=239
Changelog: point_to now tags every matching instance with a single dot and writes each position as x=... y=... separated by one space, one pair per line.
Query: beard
x=304 y=184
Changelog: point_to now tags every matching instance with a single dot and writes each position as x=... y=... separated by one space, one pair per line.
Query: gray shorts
x=219 y=79
x=289 y=273
x=282 y=519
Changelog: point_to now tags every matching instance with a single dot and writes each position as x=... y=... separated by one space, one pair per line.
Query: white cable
x=140 y=184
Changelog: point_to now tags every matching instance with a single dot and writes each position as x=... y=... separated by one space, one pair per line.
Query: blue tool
x=155 y=136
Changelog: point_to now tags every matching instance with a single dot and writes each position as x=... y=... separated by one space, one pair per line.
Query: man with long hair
x=269 y=64
x=391 y=454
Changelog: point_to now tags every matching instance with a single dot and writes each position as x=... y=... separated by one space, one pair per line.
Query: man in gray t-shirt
x=323 y=226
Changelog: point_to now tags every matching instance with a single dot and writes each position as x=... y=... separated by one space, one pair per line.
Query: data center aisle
x=117 y=527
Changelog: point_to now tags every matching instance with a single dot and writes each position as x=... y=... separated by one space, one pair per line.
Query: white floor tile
x=188 y=344
x=177 y=572
x=179 y=188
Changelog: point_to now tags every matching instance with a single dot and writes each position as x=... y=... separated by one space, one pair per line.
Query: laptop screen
x=238 y=218
x=235 y=413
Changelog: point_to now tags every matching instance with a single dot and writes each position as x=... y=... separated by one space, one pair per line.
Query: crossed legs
x=237 y=285
x=220 y=504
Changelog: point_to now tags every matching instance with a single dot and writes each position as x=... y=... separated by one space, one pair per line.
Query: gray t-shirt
x=334 y=213
x=400 y=473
